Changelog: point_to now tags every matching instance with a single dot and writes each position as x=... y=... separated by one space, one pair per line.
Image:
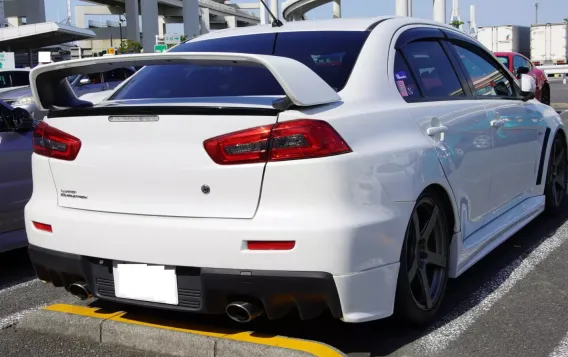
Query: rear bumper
x=203 y=290
x=357 y=297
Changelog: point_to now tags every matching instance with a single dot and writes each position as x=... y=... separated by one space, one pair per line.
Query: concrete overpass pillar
x=204 y=20
x=440 y=11
x=190 y=12
x=401 y=8
x=264 y=16
x=231 y=21
x=161 y=26
x=149 y=10
x=35 y=11
x=274 y=9
x=336 y=9
x=132 y=20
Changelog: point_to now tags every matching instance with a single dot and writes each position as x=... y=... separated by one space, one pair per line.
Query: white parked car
x=348 y=165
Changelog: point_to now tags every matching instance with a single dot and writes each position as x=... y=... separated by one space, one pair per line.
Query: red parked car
x=519 y=64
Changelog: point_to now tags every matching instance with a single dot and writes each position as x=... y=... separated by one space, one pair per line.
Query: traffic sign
x=160 y=48
x=173 y=39
x=111 y=51
x=7 y=60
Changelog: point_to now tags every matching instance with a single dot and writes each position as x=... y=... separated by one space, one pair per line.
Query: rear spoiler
x=303 y=87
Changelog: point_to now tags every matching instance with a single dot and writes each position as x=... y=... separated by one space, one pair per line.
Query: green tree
x=456 y=23
x=129 y=46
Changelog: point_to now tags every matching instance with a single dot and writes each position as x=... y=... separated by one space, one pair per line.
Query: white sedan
x=349 y=166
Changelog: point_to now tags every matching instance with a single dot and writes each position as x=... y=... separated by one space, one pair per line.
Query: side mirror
x=528 y=87
x=84 y=81
x=23 y=121
x=522 y=70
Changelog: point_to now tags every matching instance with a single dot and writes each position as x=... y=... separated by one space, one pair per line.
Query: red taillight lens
x=268 y=245
x=43 y=227
x=54 y=143
x=296 y=139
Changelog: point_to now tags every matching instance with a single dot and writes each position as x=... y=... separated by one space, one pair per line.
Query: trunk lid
x=157 y=165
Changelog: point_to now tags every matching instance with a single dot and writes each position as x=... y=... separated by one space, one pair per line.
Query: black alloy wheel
x=423 y=272
x=555 y=189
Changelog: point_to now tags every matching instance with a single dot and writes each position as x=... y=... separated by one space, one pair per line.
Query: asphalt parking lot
x=512 y=303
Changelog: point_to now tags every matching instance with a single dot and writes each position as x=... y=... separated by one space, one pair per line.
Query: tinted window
x=331 y=55
x=519 y=61
x=488 y=79
x=5 y=80
x=116 y=75
x=504 y=60
x=20 y=78
x=403 y=78
x=432 y=69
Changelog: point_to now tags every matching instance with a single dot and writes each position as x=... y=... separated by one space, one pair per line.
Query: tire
x=417 y=260
x=556 y=176
x=545 y=95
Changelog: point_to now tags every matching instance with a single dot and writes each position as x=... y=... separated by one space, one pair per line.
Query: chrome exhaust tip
x=80 y=290
x=243 y=312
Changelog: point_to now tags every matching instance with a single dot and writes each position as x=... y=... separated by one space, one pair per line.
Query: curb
x=114 y=328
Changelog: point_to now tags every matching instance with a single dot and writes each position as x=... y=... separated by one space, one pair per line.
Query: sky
x=488 y=12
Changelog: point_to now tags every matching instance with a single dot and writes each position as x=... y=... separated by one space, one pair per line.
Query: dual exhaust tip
x=239 y=311
x=80 y=290
x=243 y=312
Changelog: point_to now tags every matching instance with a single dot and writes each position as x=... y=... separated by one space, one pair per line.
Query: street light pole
x=120 y=27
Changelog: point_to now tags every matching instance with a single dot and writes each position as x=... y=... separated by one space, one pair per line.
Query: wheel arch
x=450 y=209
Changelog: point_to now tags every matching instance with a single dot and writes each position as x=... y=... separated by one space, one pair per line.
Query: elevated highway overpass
x=198 y=16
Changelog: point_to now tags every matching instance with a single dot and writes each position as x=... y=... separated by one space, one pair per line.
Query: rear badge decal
x=133 y=118
x=72 y=194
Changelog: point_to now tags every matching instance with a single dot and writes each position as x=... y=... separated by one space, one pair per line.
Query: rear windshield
x=331 y=55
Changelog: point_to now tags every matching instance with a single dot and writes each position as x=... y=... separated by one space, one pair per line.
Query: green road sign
x=160 y=48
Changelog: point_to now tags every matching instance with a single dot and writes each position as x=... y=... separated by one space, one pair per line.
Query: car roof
x=342 y=24
x=501 y=53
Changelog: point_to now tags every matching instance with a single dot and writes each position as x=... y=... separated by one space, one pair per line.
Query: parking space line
x=562 y=349
x=11 y=320
x=311 y=347
x=452 y=327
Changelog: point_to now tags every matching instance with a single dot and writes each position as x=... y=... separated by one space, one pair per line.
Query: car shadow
x=15 y=268
x=377 y=338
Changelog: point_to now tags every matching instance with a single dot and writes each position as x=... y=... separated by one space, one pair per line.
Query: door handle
x=434 y=130
x=497 y=123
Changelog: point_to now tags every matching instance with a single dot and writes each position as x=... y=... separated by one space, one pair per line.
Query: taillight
x=296 y=139
x=54 y=143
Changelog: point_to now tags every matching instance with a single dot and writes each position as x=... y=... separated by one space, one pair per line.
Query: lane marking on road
x=562 y=349
x=19 y=286
x=451 y=327
x=312 y=347
x=11 y=320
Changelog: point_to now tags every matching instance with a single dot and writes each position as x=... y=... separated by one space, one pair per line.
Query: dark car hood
x=16 y=93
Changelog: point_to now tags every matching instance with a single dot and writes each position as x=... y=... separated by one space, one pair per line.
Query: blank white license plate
x=153 y=283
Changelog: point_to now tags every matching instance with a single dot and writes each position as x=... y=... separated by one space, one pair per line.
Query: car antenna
x=275 y=21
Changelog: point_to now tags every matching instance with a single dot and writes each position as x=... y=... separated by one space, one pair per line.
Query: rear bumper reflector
x=271 y=245
x=43 y=227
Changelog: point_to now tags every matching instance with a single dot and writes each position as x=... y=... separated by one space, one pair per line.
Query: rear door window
x=330 y=54
x=433 y=70
x=504 y=60
x=20 y=78
x=5 y=80
x=404 y=79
